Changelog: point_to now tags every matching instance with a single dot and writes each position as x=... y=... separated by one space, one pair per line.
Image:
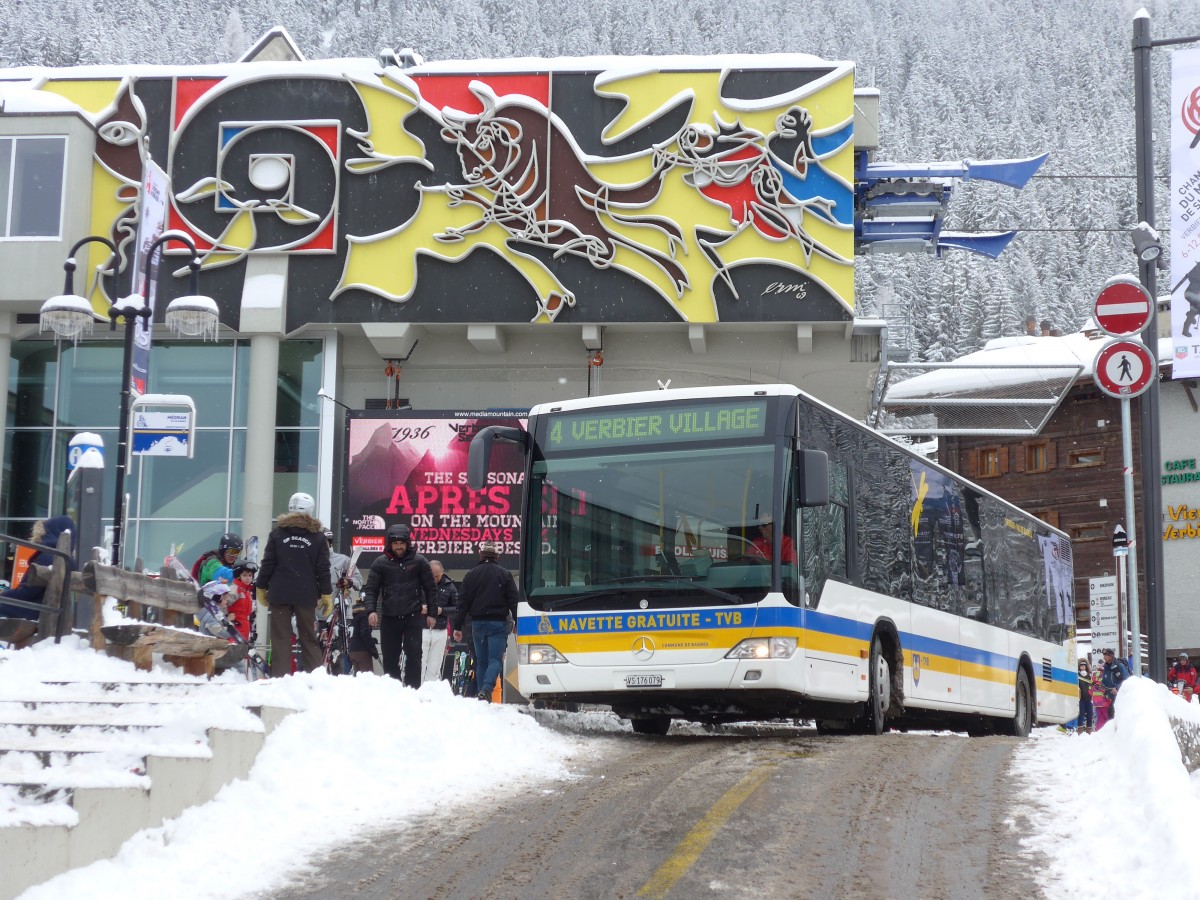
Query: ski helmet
x=239 y=568
x=399 y=533
x=302 y=503
x=229 y=541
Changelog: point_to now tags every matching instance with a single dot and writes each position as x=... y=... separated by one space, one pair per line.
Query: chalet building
x=1070 y=473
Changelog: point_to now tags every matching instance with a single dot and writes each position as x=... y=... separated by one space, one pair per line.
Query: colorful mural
x=648 y=190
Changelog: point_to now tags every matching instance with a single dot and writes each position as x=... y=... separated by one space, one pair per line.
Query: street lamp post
x=1148 y=266
x=69 y=315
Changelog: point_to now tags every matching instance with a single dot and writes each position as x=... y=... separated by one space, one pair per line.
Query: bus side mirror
x=479 y=456
x=812 y=477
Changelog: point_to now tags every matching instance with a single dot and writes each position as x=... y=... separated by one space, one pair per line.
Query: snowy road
x=782 y=812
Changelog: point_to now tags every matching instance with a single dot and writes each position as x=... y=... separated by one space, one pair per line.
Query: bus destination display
x=659 y=425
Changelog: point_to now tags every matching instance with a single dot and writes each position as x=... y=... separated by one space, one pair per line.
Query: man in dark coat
x=489 y=597
x=398 y=595
x=1116 y=671
x=292 y=580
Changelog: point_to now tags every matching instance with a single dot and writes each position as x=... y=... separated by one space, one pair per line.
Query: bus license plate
x=643 y=681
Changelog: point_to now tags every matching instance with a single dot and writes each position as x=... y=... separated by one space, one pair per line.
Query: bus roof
x=766 y=390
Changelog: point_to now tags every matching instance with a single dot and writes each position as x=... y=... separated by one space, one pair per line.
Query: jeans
x=1087 y=714
x=490 y=639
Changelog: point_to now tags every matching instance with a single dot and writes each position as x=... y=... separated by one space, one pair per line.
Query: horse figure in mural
x=505 y=154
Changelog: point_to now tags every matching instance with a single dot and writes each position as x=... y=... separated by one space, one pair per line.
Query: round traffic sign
x=1124 y=369
x=1123 y=306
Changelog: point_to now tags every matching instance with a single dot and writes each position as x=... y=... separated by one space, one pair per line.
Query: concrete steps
x=86 y=765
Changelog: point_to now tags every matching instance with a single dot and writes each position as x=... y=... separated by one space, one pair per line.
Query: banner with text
x=1185 y=213
x=410 y=467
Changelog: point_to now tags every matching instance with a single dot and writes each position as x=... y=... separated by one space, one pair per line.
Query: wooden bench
x=175 y=605
x=171 y=602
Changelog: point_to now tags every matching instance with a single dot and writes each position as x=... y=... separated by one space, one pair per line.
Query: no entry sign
x=1124 y=369
x=1122 y=306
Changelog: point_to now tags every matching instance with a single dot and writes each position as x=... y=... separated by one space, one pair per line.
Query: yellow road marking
x=701 y=835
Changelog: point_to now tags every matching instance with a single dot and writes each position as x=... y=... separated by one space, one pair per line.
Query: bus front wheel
x=880 y=689
x=1022 y=721
x=650 y=724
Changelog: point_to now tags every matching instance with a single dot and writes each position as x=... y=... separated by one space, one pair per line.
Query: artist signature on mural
x=799 y=291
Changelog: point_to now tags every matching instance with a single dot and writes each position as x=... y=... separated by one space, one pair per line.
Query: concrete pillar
x=8 y=322
x=264 y=294
x=258 y=501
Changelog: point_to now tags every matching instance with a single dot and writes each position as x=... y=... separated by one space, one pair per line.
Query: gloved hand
x=261 y=594
x=325 y=606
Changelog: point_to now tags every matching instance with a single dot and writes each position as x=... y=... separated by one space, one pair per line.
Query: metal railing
x=49 y=612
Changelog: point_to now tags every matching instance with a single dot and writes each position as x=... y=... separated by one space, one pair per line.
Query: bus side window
x=823 y=531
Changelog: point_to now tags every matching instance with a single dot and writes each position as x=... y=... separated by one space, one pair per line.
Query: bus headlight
x=764 y=648
x=538 y=654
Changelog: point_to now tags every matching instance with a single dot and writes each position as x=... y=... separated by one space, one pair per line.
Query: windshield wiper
x=689 y=580
x=579 y=598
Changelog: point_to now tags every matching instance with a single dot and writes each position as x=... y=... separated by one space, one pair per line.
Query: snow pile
x=359 y=755
x=1113 y=810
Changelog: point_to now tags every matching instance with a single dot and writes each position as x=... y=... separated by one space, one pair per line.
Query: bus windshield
x=678 y=527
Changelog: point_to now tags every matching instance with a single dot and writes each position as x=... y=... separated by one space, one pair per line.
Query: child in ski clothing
x=241 y=606
x=1099 y=699
x=1087 y=711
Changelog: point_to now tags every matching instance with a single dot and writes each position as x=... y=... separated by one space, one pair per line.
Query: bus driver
x=765 y=541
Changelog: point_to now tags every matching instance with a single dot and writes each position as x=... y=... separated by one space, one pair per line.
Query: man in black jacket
x=489 y=597
x=292 y=580
x=399 y=594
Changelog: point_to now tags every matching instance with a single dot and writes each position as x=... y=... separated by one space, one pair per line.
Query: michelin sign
x=162 y=434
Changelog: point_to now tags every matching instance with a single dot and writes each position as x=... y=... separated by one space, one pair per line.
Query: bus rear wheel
x=1022 y=721
x=650 y=724
x=880 y=687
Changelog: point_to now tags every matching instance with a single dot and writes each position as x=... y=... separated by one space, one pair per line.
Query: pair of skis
x=337 y=633
x=228 y=629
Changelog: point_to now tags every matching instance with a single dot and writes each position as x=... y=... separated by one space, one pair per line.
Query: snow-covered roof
x=1008 y=362
x=19 y=98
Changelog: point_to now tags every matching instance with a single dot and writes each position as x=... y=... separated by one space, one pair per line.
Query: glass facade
x=56 y=392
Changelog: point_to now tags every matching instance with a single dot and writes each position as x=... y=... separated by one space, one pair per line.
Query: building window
x=1037 y=456
x=1049 y=516
x=1082 y=459
x=31 y=186
x=57 y=391
x=989 y=462
x=1092 y=531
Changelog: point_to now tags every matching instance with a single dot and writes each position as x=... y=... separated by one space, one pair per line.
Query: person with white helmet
x=293 y=580
x=1183 y=672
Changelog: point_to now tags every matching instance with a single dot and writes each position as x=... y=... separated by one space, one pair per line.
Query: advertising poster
x=410 y=467
x=1185 y=213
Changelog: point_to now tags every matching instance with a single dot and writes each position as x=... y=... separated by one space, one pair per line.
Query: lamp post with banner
x=70 y=315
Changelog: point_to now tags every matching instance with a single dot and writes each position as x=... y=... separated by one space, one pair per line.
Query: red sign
x=1124 y=369
x=1122 y=306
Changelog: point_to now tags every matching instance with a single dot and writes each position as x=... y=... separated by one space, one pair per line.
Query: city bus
x=749 y=553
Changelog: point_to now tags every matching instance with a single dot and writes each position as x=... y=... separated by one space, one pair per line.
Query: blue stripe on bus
x=777 y=617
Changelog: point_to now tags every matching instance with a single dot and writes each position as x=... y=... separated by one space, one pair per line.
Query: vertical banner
x=1185 y=212
x=410 y=468
x=151 y=222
